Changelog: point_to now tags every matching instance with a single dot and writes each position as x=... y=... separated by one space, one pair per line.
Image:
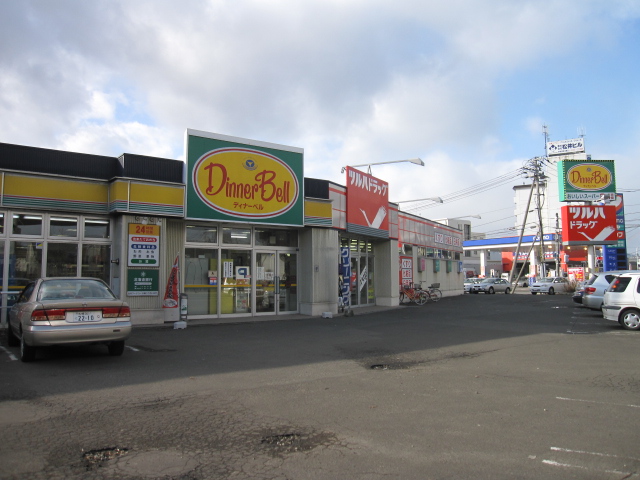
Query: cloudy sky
x=464 y=84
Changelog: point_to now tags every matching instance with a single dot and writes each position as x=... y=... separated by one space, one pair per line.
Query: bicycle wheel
x=404 y=298
x=421 y=298
x=435 y=294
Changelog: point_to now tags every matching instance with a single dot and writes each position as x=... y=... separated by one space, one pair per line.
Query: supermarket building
x=252 y=237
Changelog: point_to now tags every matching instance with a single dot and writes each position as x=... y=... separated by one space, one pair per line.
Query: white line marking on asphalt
x=568 y=465
x=601 y=403
x=11 y=355
x=597 y=454
x=134 y=349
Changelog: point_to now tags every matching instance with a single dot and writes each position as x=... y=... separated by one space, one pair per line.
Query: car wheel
x=533 y=293
x=551 y=291
x=12 y=340
x=491 y=290
x=27 y=352
x=116 y=348
x=507 y=291
x=630 y=319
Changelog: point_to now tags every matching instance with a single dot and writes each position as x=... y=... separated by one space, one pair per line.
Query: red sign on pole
x=367 y=204
x=589 y=225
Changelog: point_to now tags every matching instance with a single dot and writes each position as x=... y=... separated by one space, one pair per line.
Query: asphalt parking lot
x=475 y=386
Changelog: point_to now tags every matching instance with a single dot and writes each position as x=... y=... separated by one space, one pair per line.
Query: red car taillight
x=116 y=312
x=589 y=290
x=43 y=315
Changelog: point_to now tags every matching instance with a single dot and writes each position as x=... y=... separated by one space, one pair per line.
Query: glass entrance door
x=276 y=288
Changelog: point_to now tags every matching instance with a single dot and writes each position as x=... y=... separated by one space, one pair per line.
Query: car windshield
x=61 y=289
x=489 y=280
x=546 y=280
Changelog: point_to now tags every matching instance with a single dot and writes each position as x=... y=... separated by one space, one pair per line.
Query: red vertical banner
x=171 y=295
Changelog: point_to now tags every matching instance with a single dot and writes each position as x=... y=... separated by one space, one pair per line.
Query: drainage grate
x=95 y=458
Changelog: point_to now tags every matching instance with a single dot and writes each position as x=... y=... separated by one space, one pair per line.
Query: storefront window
x=202 y=234
x=236 y=236
x=62 y=260
x=236 y=281
x=27 y=224
x=96 y=228
x=199 y=285
x=96 y=261
x=365 y=247
x=25 y=262
x=63 y=227
x=276 y=238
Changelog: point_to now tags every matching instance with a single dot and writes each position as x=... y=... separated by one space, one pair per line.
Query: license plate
x=87 y=316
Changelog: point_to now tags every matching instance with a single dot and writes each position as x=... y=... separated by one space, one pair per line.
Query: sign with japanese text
x=615 y=256
x=144 y=245
x=243 y=180
x=142 y=282
x=565 y=147
x=344 y=277
x=589 y=225
x=406 y=271
x=448 y=240
x=586 y=181
x=367 y=204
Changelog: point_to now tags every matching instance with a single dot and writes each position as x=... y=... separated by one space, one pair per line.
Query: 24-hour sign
x=144 y=245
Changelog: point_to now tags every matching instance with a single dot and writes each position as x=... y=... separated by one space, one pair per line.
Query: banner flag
x=171 y=295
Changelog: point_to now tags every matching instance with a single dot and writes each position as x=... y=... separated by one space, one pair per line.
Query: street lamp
x=417 y=161
x=433 y=199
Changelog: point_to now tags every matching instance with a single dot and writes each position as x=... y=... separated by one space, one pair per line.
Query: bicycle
x=413 y=294
x=434 y=293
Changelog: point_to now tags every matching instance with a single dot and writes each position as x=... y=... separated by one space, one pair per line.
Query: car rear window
x=65 y=289
x=619 y=284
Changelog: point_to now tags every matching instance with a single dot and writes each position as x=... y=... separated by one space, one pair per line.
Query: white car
x=622 y=301
x=550 y=285
x=469 y=282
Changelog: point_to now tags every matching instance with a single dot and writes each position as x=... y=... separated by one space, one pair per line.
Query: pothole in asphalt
x=95 y=458
x=380 y=366
x=295 y=442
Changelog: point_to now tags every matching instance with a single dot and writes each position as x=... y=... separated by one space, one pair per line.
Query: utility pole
x=533 y=169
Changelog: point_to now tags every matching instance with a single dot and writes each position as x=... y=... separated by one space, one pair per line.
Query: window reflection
x=27 y=224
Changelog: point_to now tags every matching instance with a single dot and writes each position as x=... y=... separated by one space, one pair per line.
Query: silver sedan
x=69 y=310
x=491 y=285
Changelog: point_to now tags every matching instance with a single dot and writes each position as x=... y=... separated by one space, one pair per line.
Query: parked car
x=578 y=294
x=69 y=310
x=469 y=282
x=550 y=285
x=491 y=285
x=622 y=301
x=596 y=286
